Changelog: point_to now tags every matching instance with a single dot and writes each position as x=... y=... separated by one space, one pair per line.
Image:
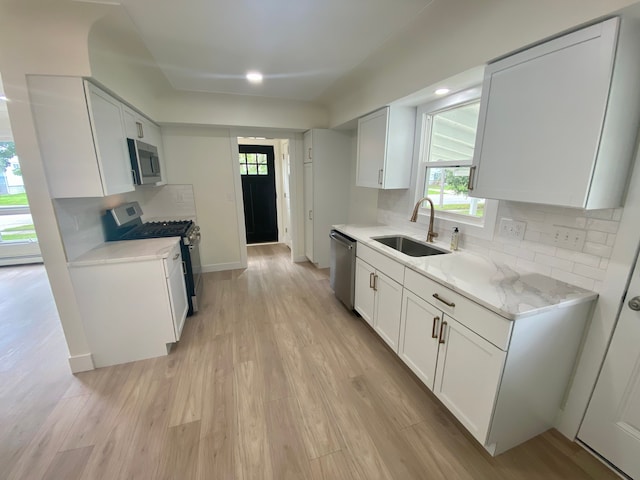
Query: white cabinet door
x=468 y=376
x=111 y=148
x=177 y=294
x=419 y=331
x=387 y=309
x=541 y=119
x=372 y=140
x=364 y=294
x=612 y=424
x=308 y=211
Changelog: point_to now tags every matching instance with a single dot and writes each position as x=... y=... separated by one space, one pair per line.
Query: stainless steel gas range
x=124 y=223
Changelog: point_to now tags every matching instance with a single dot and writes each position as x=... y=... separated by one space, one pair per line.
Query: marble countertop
x=502 y=289
x=127 y=251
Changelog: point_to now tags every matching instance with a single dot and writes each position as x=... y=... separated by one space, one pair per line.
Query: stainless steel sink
x=409 y=246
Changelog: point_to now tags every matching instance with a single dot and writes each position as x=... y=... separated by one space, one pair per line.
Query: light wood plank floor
x=273 y=379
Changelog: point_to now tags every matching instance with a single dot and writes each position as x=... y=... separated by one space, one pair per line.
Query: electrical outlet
x=512 y=229
x=569 y=238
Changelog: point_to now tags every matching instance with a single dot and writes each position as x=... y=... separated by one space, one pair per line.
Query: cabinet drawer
x=485 y=323
x=389 y=267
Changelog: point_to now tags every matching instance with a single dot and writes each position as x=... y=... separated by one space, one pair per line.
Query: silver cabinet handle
x=472 y=171
x=634 y=303
x=176 y=256
x=442 y=325
x=371 y=280
x=310 y=214
x=380 y=176
x=309 y=154
x=140 y=130
x=434 y=328
x=375 y=283
x=447 y=303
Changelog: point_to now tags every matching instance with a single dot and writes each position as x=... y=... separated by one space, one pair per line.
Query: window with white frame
x=446 y=153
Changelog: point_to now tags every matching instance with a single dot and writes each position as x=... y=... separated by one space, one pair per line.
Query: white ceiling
x=302 y=46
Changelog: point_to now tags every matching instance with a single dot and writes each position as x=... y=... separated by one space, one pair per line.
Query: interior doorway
x=258 y=174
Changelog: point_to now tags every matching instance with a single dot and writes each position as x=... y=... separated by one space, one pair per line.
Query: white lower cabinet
x=378 y=298
x=420 y=325
x=468 y=376
x=131 y=310
x=503 y=379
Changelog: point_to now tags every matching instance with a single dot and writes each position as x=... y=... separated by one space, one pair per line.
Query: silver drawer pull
x=448 y=304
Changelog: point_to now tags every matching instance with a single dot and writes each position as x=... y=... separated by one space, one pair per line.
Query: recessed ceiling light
x=254 y=77
x=442 y=91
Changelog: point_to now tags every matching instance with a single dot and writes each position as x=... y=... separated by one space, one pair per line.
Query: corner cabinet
x=558 y=121
x=385 y=148
x=326 y=189
x=82 y=138
x=131 y=310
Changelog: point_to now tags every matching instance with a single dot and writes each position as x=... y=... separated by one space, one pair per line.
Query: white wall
x=201 y=156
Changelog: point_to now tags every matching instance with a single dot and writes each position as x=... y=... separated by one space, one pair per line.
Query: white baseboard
x=300 y=259
x=219 y=267
x=81 y=363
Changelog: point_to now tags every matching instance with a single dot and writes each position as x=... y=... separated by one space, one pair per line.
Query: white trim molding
x=220 y=267
x=81 y=363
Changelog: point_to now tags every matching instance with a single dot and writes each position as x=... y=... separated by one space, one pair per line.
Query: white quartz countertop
x=127 y=251
x=506 y=291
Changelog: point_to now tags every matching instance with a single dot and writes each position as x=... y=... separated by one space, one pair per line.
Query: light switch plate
x=512 y=229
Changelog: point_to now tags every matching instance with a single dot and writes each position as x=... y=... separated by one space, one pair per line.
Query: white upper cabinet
x=81 y=136
x=558 y=121
x=385 y=148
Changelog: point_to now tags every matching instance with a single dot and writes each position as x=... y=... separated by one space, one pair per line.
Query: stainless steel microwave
x=145 y=163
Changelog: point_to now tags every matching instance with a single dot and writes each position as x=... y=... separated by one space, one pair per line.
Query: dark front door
x=258 y=174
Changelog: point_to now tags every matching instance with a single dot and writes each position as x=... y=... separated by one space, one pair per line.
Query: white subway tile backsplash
x=608 y=226
x=585 y=266
x=567 y=221
x=590 y=272
x=596 y=237
x=573 y=279
x=617 y=214
x=579 y=257
x=606 y=214
x=518 y=251
x=540 y=248
x=553 y=262
x=597 y=249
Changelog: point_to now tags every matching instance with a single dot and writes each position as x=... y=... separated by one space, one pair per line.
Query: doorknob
x=634 y=303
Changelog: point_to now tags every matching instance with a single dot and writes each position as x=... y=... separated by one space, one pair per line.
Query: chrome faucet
x=414 y=216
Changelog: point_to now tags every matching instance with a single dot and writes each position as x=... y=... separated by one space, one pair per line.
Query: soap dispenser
x=454 y=238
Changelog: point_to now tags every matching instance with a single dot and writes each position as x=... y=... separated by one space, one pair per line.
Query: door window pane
x=252 y=169
x=263 y=170
x=262 y=158
x=16 y=224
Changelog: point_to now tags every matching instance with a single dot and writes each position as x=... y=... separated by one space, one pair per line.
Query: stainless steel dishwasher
x=342 y=273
